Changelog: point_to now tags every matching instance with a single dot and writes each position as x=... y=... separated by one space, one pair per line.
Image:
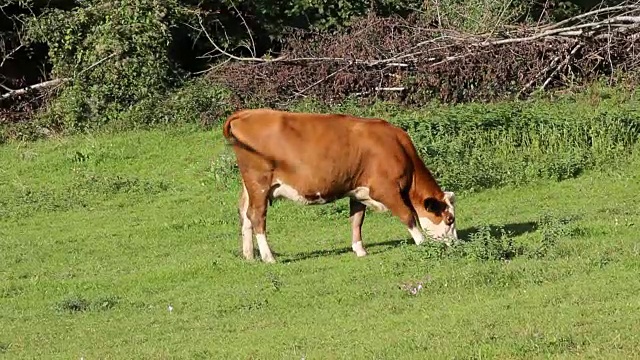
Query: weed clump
x=553 y=229
x=77 y=304
x=484 y=245
x=74 y=304
x=413 y=288
x=224 y=169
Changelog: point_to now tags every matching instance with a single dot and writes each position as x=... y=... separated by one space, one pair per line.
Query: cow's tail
x=228 y=134
x=231 y=138
x=226 y=128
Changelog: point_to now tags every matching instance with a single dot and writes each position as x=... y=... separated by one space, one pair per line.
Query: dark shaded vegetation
x=134 y=63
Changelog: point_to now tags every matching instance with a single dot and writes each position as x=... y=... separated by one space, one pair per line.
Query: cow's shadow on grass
x=515 y=229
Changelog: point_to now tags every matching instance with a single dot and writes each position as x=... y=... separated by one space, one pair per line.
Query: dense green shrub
x=196 y=102
x=115 y=53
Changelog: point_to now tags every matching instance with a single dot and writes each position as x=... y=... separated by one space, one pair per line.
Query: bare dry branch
x=609 y=9
x=251 y=49
x=301 y=92
x=399 y=88
x=541 y=73
x=596 y=29
x=8 y=55
x=39 y=86
x=386 y=57
x=53 y=84
x=562 y=65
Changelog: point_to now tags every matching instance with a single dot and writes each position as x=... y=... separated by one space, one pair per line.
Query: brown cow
x=320 y=158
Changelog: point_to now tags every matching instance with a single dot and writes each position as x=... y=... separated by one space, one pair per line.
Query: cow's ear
x=432 y=204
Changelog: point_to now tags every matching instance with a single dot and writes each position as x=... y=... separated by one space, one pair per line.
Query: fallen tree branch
x=605 y=10
x=38 y=86
x=624 y=21
x=561 y=66
x=533 y=81
x=6 y=88
x=301 y=92
x=53 y=83
x=566 y=31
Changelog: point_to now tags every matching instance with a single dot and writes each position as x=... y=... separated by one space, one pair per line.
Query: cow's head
x=437 y=217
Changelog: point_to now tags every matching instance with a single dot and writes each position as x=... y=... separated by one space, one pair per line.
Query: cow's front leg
x=356 y=217
x=395 y=202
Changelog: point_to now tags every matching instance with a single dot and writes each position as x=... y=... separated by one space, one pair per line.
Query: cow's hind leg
x=356 y=217
x=246 y=228
x=399 y=207
x=257 y=214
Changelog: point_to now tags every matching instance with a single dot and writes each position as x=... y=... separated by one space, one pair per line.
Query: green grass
x=100 y=234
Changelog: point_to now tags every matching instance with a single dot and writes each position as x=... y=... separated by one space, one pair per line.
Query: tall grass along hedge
x=479 y=146
x=475 y=146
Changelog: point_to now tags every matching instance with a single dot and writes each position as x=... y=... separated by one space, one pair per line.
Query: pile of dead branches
x=407 y=61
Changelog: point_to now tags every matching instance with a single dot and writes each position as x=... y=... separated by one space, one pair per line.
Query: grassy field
x=100 y=235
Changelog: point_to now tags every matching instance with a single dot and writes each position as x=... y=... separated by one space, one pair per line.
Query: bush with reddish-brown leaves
x=405 y=61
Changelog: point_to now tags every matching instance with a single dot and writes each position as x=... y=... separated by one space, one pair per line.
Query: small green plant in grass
x=553 y=228
x=224 y=169
x=484 y=245
x=106 y=302
x=274 y=280
x=335 y=210
x=10 y=291
x=76 y=304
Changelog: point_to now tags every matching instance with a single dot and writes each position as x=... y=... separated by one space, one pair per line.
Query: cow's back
x=318 y=151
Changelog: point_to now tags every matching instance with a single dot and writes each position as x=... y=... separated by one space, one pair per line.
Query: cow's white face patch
x=441 y=231
x=437 y=231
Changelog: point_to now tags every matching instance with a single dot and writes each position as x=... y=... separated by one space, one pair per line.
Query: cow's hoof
x=359 y=249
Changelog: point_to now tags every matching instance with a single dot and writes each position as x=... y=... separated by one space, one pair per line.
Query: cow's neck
x=424 y=184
